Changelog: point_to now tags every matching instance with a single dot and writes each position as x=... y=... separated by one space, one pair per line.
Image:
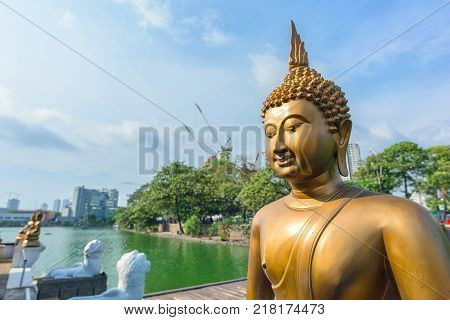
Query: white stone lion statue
x=90 y=266
x=131 y=269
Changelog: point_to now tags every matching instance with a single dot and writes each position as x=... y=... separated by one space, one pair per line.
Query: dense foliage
x=189 y=196
x=234 y=192
x=263 y=188
x=408 y=167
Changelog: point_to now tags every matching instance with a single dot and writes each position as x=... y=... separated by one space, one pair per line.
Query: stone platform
x=225 y=290
x=5 y=266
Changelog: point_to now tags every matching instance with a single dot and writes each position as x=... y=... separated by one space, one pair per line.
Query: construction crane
x=15 y=194
x=214 y=132
x=223 y=147
x=131 y=183
x=12 y=195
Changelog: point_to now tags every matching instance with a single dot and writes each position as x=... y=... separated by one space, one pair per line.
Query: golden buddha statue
x=329 y=240
x=29 y=236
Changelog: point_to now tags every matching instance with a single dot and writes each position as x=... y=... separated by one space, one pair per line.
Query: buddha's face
x=299 y=143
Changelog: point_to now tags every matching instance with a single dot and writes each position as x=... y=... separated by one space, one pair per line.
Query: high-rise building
x=57 y=205
x=98 y=202
x=353 y=158
x=13 y=204
x=44 y=206
x=65 y=204
x=66 y=212
x=113 y=197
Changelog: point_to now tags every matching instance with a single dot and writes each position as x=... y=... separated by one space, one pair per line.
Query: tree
x=262 y=189
x=140 y=213
x=408 y=162
x=376 y=175
x=136 y=196
x=203 y=200
x=91 y=219
x=179 y=191
x=121 y=217
x=226 y=182
x=437 y=176
x=246 y=168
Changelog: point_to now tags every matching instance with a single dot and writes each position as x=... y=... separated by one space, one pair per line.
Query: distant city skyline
x=14 y=203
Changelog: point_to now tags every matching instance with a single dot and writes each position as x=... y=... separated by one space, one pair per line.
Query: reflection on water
x=175 y=263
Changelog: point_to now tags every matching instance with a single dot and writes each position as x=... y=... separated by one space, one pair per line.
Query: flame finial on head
x=298 y=56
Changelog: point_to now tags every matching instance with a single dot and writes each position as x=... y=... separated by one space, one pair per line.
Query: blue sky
x=64 y=123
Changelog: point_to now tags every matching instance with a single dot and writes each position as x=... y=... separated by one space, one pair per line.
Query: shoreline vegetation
x=184 y=237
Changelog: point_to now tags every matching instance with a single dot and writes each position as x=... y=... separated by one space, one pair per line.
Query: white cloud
x=31 y=116
x=67 y=19
x=159 y=15
x=5 y=102
x=415 y=113
x=151 y=13
x=109 y=134
x=382 y=130
x=443 y=134
x=212 y=33
x=30 y=127
x=267 y=69
x=85 y=134
x=215 y=37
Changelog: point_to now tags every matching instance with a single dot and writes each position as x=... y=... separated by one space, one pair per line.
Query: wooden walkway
x=5 y=265
x=226 y=290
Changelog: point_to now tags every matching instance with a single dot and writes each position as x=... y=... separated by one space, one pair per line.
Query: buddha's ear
x=342 y=138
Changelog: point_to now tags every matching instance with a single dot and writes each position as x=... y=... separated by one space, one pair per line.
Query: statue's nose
x=280 y=147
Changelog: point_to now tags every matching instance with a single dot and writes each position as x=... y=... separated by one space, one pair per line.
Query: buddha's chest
x=334 y=258
x=280 y=241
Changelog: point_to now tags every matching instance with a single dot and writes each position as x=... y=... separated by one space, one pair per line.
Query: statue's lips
x=284 y=161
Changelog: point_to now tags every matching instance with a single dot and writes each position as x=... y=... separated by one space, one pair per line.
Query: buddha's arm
x=418 y=252
x=258 y=287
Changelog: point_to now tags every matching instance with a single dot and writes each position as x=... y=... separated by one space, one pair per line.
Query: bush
x=246 y=229
x=67 y=224
x=193 y=226
x=213 y=229
x=225 y=229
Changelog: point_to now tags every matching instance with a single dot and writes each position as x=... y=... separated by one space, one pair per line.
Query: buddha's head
x=306 y=122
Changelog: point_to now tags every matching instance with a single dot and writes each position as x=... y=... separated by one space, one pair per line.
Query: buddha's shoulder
x=387 y=203
x=269 y=210
x=383 y=200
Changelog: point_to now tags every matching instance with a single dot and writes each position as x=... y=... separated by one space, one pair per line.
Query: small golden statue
x=329 y=240
x=29 y=236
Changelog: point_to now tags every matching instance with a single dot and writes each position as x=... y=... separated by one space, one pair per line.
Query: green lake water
x=175 y=263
